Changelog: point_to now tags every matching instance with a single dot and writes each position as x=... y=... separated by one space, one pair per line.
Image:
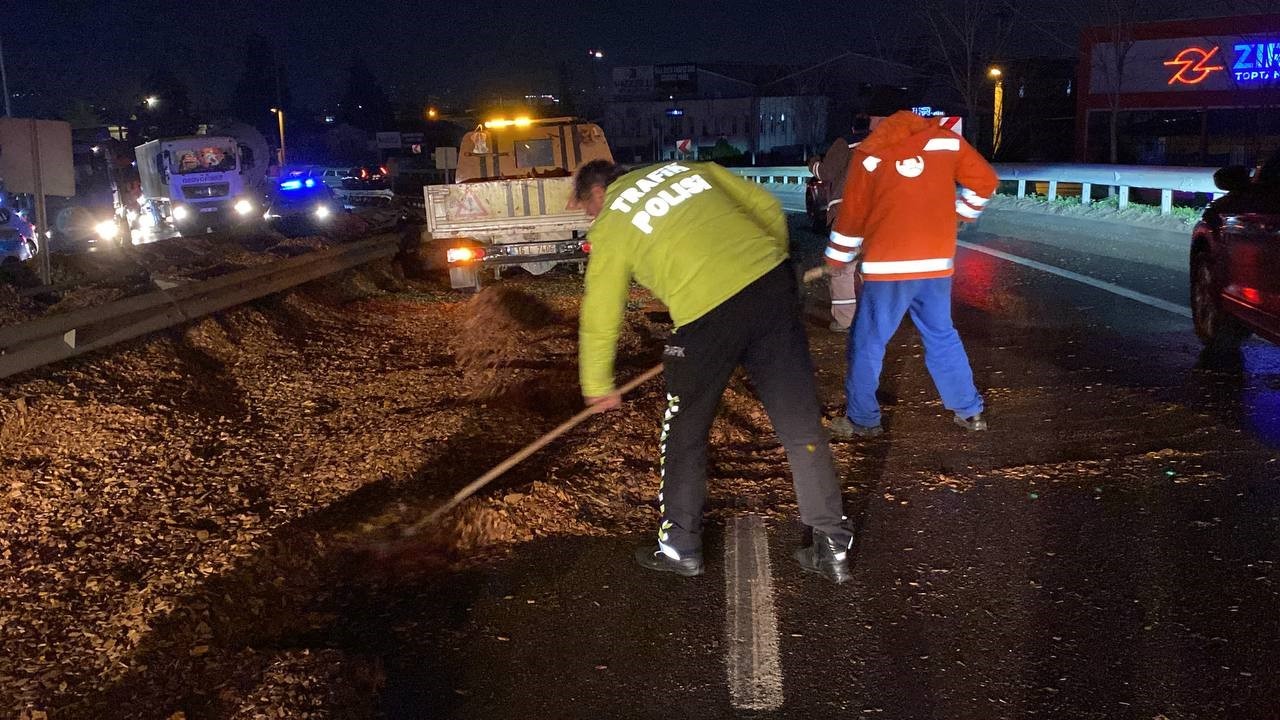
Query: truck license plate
x=209 y=209
x=536 y=249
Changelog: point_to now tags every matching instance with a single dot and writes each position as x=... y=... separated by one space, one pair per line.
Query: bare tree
x=1117 y=33
x=969 y=35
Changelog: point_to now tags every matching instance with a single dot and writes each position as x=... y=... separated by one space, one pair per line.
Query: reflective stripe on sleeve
x=965 y=211
x=973 y=198
x=834 y=203
x=849 y=241
x=844 y=302
x=844 y=257
x=952 y=144
x=903 y=267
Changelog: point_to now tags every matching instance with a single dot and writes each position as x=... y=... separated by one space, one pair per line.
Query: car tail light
x=586 y=248
x=1251 y=295
x=463 y=254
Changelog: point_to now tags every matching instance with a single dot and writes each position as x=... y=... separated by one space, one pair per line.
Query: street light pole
x=280 y=117
x=998 y=108
x=4 y=81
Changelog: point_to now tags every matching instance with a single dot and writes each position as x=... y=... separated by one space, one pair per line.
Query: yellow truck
x=511 y=202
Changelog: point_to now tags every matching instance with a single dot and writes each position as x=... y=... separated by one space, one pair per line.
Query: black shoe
x=977 y=423
x=844 y=428
x=825 y=557
x=651 y=557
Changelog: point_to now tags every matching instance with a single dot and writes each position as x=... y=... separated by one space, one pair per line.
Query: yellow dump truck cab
x=512 y=202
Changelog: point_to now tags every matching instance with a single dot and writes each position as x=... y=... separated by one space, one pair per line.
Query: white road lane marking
x=1112 y=288
x=751 y=623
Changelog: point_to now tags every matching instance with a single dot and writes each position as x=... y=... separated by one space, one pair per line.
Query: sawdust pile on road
x=502 y=324
x=173 y=504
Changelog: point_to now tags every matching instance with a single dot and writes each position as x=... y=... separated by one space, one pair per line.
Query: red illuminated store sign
x=1194 y=65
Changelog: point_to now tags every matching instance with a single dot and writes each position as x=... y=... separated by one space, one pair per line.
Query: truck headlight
x=107 y=229
x=243 y=207
x=180 y=212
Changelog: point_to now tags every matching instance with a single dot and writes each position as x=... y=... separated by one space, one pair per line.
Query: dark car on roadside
x=1235 y=259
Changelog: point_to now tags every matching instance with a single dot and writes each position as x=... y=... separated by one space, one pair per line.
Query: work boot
x=825 y=557
x=976 y=423
x=844 y=428
x=836 y=327
x=651 y=557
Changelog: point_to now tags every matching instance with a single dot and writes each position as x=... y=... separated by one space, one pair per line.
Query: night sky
x=101 y=51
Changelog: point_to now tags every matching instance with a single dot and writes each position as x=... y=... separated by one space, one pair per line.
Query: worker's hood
x=898 y=129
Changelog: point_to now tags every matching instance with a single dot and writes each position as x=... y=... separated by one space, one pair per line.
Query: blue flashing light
x=310 y=182
x=291 y=185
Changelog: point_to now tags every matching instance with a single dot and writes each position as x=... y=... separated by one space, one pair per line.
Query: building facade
x=1188 y=92
x=746 y=113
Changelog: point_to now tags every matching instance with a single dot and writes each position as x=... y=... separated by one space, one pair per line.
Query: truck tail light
x=464 y=254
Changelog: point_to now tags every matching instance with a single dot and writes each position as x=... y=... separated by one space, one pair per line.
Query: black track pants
x=759 y=329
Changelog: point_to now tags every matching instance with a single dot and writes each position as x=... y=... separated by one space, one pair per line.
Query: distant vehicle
x=196 y=184
x=1235 y=259
x=365 y=186
x=367 y=177
x=511 y=203
x=11 y=220
x=331 y=176
x=14 y=246
x=302 y=201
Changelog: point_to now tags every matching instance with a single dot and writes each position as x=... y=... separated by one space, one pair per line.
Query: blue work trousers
x=880 y=310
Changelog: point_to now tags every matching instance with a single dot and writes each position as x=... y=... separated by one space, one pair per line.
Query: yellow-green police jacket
x=692 y=232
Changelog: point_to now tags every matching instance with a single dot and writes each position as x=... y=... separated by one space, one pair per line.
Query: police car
x=301 y=201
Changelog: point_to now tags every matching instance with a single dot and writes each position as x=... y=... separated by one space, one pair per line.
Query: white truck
x=511 y=203
x=197 y=184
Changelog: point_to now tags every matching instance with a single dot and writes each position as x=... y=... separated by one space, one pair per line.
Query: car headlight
x=180 y=212
x=243 y=207
x=107 y=229
x=323 y=212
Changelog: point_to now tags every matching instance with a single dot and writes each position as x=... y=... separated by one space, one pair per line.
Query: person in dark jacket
x=832 y=169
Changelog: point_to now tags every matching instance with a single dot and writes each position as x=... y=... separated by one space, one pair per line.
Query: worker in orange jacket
x=898 y=216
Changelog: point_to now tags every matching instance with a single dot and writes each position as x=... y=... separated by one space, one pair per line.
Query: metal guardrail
x=1166 y=179
x=47 y=340
x=781 y=175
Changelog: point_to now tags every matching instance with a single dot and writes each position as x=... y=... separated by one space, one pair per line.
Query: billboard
x=635 y=81
x=677 y=79
x=35 y=155
x=1188 y=64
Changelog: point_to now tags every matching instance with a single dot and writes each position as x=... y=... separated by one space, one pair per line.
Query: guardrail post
x=1022 y=188
x=1123 y=202
x=1166 y=202
x=1053 y=189
x=1086 y=193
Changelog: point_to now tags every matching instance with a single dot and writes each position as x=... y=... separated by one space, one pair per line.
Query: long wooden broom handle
x=525 y=452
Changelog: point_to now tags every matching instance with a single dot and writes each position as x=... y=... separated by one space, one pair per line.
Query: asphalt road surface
x=1108 y=550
